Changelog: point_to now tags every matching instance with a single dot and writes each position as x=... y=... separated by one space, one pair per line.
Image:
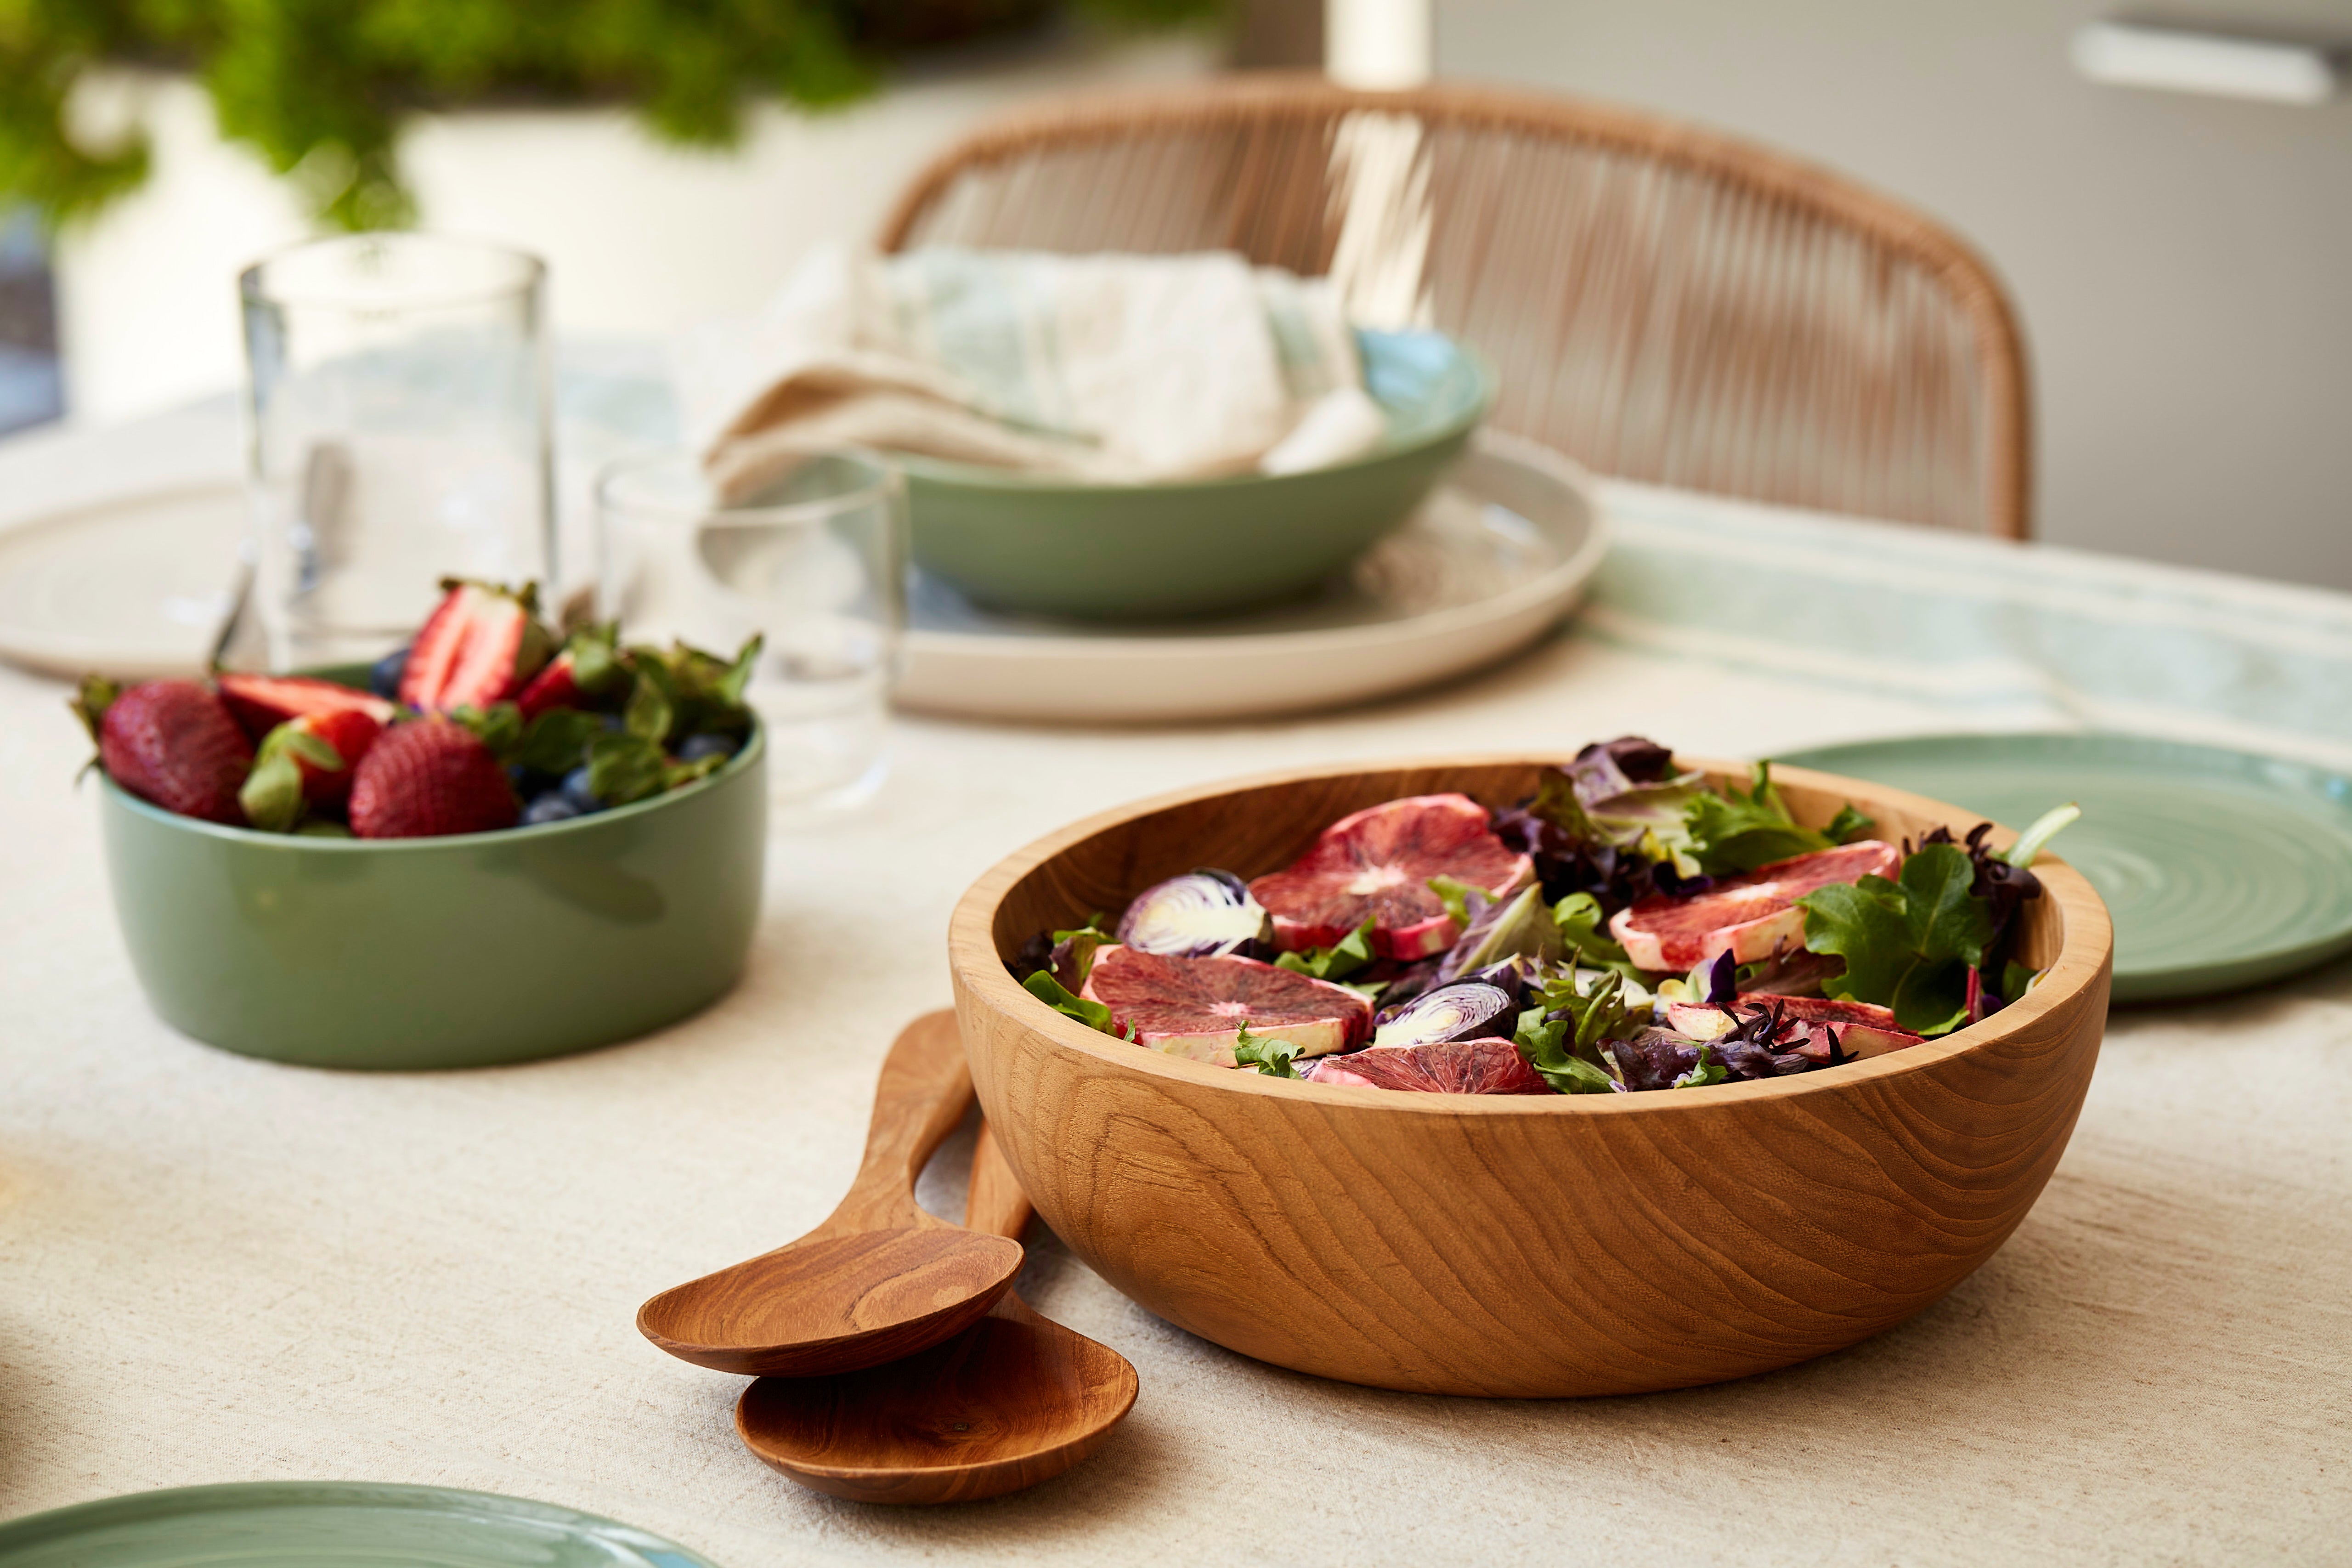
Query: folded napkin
x=1122 y=368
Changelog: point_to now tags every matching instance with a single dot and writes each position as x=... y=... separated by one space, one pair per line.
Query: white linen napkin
x=1122 y=368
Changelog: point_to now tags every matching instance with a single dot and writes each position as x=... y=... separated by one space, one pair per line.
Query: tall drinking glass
x=816 y=567
x=401 y=414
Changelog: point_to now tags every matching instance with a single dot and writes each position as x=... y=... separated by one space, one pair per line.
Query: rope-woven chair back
x=1661 y=302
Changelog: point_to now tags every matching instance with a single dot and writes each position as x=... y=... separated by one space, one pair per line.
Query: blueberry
x=708 y=745
x=383 y=678
x=578 y=794
x=615 y=723
x=553 y=806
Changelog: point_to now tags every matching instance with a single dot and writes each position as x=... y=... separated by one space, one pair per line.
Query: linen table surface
x=217 y=1269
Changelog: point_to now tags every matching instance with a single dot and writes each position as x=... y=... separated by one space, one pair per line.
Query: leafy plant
x=1738 y=832
x=1563 y=1045
x=1271 y=1055
x=1907 y=945
x=1336 y=962
x=320 y=89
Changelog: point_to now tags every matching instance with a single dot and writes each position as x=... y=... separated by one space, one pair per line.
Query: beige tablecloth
x=217 y=1269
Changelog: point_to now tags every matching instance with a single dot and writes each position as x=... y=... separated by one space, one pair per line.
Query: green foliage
x=1580 y=921
x=1708 y=1071
x=1907 y=945
x=1736 y=832
x=1565 y=1051
x=1351 y=952
x=1269 y=1054
x=321 y=88
x=271 y=797
x=1050 y=991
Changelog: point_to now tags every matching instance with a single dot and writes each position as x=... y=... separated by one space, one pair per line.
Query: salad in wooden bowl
x=1533 y=1076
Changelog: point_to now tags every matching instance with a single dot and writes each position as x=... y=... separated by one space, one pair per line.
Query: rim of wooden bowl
x=2086 y=945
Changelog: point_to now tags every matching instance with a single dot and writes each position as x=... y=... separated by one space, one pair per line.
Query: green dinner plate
x=329 y=1524
x=2221 y=870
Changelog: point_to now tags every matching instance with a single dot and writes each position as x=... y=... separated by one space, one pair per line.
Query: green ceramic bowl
x=443 y=953
x=1017 y=541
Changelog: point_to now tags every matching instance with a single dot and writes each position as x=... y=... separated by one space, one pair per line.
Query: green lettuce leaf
x=1708 y=1071
x=1455 y=894
x=1581 y=923
x=1907 y=945
x=1521 y=928
x=1048 y=990
x=1335 y=963
x=1269 y=1054
x=1733 y=831
x=1565 y=1052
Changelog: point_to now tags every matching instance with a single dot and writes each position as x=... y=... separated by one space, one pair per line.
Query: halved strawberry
x=1746 y=916
x=171 y=742
x=262 y=702
x=308 y=761
x=550 y=688
x=479 y=647
x=427 y=778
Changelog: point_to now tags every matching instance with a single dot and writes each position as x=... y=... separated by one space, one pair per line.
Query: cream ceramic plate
x=1497 y=556
x=1501 y=551
x=134 y=586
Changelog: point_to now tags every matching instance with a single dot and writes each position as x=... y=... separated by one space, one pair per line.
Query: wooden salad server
x=877 y=1280
x=1015 y=1400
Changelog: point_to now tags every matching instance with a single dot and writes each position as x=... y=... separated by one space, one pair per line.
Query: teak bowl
x=1505 y=1245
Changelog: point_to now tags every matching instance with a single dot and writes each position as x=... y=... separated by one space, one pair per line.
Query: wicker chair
x=1663 y=302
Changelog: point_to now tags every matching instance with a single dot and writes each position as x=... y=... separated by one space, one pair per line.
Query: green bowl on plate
x=465 y=951
x=1055 y=547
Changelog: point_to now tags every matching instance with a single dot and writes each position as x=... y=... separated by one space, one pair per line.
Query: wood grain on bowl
x=1519 y=1246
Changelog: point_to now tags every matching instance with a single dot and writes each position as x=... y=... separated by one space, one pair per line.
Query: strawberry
x=262 y=702
x=308 y=761
x=478 y=647
x=431 y=777
x=555 y=687
x=171 y=742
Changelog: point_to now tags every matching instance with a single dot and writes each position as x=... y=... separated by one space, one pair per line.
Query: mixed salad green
x=1630 y=926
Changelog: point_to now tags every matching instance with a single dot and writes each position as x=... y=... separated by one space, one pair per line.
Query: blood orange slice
x=1744 y=915
x=1863 y=1030
x=1377 y=864
x=1195 y=1008
x=1455 y=1066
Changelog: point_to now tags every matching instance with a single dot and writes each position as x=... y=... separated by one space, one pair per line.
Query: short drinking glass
x=401 y=429
x=816 y=567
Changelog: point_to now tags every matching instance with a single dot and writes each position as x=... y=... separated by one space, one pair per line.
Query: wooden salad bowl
x=1523 y=1245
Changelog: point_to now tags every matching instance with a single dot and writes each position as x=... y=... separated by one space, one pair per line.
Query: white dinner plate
x=1498 y=555
x=133 y=586
x=136 y=587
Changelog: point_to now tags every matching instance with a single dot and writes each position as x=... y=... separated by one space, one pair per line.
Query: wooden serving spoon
x=877 y=1280
x=1015 y=1400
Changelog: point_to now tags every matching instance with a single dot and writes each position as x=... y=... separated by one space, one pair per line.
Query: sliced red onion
x=1202 y=914
x=1464 y=1011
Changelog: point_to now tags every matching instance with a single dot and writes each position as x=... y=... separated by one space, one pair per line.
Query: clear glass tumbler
x=401 y=432
x=816 y=567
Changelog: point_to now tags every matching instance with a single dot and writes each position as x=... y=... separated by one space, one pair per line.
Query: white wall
x=2183 y=265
